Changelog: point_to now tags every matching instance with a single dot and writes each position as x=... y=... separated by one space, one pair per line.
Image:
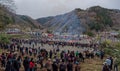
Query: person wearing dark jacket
x=19 y=59
x=26 y=64
x=111 y=65
x=105 y=67
x=3 y=60
x=69 y=66
x=62 y=66
x=55 y=66
x=8 y=66
x=15 y=65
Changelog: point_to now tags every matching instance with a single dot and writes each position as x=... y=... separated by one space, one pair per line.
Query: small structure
x=114 y=33
x=35 y=32
x=13 y=29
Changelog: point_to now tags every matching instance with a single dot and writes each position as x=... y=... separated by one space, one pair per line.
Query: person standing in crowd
x=26 y=64
x=8 y=66
x=108 y=62
x=31 y=64
x=77 y=67
x=81 y=57
x=19 y=60
x=101 y=54
x=54 y=65
x=3 y=58
x=111 y=65
x=50 y=53
x=35 y=68
x=48 y=65
x=70 y=66
x=15 y=64
x=62 y=66
x=105 y=67
x=116 y=64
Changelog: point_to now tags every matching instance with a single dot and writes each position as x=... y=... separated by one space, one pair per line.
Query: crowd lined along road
x=35 y=55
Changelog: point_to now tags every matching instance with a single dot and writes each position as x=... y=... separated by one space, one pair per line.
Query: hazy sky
x=43 y=8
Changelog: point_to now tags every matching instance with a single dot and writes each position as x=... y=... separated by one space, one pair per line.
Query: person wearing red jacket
x=31 y=64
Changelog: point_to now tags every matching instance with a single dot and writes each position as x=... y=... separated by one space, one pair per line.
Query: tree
x=8 y=4
x=89 y=33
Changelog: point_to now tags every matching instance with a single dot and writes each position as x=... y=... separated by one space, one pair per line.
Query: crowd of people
x=108 y=64
x=31 y=58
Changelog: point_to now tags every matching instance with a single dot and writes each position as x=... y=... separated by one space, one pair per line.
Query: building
x=13 y=31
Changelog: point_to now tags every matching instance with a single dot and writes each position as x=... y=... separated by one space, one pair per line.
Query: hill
x=44 y=20
x=80 y=21
x=9 y=18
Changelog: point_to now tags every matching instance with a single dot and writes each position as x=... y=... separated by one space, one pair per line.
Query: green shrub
x=4 y=39
x=91 y=34
x=113 y=51
x=95 y=26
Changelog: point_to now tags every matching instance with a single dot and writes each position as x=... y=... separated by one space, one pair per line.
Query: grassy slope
x=93 y=65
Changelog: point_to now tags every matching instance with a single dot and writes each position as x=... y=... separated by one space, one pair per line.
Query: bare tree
x=8 y=4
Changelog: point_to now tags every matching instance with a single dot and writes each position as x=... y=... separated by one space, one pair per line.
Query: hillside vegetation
x=9 y=18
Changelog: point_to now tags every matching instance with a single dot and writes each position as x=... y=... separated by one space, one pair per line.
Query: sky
x=44 y=8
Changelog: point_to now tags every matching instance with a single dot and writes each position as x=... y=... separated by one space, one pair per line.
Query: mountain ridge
x=78 y=21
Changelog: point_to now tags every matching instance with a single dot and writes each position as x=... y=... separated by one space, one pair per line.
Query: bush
x=4 y=39
x=95 y=26
x=109 y=51
x=91 y=34
x=113 y=51
x=106 y=43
